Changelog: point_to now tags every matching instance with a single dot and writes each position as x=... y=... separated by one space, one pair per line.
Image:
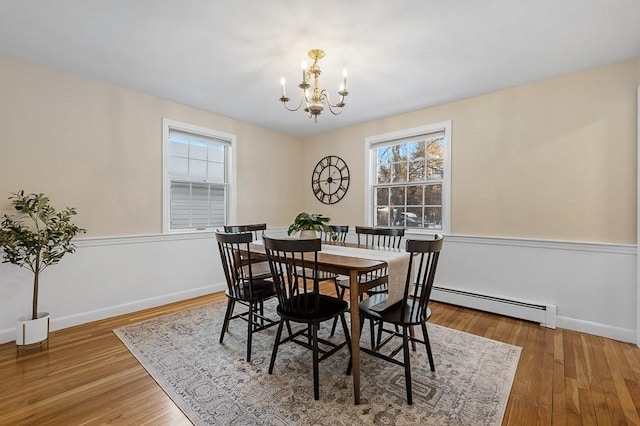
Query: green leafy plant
x=309 y=222
x=37 y=236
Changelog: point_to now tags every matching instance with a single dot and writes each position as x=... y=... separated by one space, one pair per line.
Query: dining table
x=350 y=260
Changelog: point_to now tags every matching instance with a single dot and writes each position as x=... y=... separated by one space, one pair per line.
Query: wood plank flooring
x=88 y=377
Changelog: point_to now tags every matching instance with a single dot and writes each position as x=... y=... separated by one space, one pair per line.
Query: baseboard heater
x=540 y=313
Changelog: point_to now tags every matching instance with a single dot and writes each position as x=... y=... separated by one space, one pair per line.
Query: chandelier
x=312 y=96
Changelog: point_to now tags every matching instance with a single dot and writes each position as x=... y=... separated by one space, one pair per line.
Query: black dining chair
x=260 y=269
x=338 y=234
x=372 y=237
x=242 y=286
x=378 y=237
x=294 y=267
x=257 y=229
x=411 y=311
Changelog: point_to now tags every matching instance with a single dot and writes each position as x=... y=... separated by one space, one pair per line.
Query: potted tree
x=36 y=237
x=309 y=225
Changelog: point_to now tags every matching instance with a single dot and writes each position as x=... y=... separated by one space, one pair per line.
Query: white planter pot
x=30 y=331
x=308 y=234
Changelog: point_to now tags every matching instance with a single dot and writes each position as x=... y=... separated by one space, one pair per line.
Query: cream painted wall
x=98 y=147
x=550 y=160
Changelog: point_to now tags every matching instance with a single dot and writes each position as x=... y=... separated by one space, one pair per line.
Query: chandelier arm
x=296 y=108
x=331 y=106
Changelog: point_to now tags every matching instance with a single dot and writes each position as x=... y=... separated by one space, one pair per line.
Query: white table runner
x=397 y=262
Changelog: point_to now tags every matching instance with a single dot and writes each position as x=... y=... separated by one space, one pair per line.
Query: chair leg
x=425 y=336
x=335 y=283
x=345 y=329
x=340 y=292
x=250 y=326
x=407 y=365
x=225 y=323
x=261 y=313
x=372 y=329
x=380 y=327
x=316 y=374
x=412 y=334
x=275 y=347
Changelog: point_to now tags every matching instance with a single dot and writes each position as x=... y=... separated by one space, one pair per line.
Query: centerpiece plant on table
x=309 y=224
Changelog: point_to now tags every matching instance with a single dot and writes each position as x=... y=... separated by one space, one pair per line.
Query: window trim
x=168 y=124
x=388 y=138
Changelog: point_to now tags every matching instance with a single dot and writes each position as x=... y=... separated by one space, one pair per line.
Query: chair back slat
x=369 y=236
x=421 y=274
x=294 y=268
x=338 y=234
x=236 y=262
x=257 y=229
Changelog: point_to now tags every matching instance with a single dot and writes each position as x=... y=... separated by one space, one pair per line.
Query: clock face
x=330 y=179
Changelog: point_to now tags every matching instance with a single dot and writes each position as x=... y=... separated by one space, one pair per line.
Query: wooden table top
x=339 y=264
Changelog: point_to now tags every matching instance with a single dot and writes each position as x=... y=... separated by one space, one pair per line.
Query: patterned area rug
x=213 y=384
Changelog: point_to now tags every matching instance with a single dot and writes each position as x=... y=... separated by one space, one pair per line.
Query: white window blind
x=198 y=172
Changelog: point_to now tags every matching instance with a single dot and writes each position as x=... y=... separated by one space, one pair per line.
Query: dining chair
x=257 y=229
x=260 y=269
x=294 y=267
x=372 y=237
x=242 y=286
x=369 y=237
x=338 y=234
x=411 y=311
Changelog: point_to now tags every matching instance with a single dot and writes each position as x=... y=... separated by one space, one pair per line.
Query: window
x=197 y=177
x=409 y=178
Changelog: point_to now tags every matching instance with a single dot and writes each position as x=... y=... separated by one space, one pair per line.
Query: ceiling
x=227 y=57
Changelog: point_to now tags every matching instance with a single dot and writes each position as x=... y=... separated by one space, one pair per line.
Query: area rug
x=214 y=385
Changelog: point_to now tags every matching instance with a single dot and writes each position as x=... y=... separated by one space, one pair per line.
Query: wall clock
x=330 y=179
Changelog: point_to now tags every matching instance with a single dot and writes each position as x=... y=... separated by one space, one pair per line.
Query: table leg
x=354 y=297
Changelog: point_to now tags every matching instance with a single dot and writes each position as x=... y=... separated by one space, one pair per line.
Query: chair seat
x=392 y=314
x=261 y=290
x=379 y=289
x=328 y=307
x=322 y=275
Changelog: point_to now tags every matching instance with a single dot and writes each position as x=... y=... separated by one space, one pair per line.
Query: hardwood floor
x=87 y=376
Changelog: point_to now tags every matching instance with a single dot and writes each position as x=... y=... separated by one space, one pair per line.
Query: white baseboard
x=597 y=329
x=8 y=335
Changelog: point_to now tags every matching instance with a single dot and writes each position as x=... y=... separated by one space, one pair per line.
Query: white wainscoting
x=106 y=277
x=592 y=286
